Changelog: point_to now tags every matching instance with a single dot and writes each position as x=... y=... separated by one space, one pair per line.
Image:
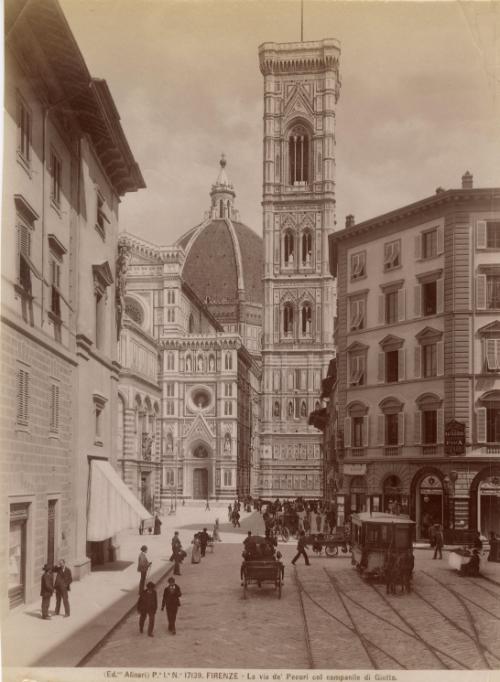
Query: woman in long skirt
x=215 y=533
x=196 y=553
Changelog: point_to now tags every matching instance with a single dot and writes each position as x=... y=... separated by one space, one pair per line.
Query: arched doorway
x=200 y=484
x=484 y=510
x=488 y=505
x=393 y=498
x=429 y=504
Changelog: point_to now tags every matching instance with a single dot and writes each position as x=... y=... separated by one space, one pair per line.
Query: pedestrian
x=493 y=546
x=46 y=590
x=171 y=602
x=301 y=549
x=318 y=522
x=478 y=543
x=406 y=565
x=62 y=587
x=147 y=607
x=229 y=512
x=157 y=524
x=143 y=565
x=472 y=567
x=204 y=538
x=215 y=533
x=141 y=528
x=236 y=518
x=391 y=572
x=438 y=541
x=196 y=551
x=207 y=506
x=176 y=553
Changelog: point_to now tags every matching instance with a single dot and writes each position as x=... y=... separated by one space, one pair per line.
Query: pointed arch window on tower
x=306 y=319
x=288 y=319
x=307 y=248
x=288 y=248
x=221 y=208
x=298 y=155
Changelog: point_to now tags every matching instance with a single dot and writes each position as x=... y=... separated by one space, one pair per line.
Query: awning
x=112 y=506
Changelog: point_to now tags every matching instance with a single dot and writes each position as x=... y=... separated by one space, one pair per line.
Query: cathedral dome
x=224 y=257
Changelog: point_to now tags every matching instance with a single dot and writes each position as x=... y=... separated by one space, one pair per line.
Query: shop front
x=485 y=501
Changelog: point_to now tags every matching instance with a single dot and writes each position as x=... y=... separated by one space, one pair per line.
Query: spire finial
x=222 y=160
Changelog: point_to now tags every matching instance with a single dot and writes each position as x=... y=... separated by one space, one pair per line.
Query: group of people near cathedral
x=310 y=516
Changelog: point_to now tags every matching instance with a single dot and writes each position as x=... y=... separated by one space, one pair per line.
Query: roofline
x=197 y=301
x=445 y=197
x=127 y=177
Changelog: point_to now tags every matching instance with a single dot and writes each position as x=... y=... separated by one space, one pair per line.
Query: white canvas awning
x=112 y=506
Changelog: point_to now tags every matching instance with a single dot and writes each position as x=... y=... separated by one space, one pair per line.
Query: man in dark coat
x=147 y=606
x=204 y=537
x=438 y=541
x=46 y=590
x=157 y=525
x=171 y=602
x=301 y=549
x=176 y=553
x=143 y=565
x=62 y=587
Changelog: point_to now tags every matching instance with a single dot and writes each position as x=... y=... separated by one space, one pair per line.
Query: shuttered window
x=54 y=408
x=492 y=354
x=23 y=378
x=24 y=130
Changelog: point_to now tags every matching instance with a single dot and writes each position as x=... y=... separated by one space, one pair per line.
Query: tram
x=374 y=535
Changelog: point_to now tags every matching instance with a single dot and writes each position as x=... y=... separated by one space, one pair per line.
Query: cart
x=260 y=572
x=330 y=542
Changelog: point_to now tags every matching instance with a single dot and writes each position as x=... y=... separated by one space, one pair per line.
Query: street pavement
x=327 y=617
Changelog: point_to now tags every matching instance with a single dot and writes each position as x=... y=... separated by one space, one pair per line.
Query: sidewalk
x=103 y=598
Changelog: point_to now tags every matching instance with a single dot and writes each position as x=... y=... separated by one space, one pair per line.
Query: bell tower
x=301 y=89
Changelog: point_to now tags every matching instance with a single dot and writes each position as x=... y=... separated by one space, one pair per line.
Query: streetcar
x=374 y=535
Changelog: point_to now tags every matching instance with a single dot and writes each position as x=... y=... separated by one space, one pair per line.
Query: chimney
x=349 y=220
x=467 y=180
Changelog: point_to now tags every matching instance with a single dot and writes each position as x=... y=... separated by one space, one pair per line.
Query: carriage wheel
x=285 y=534
x=331 y=550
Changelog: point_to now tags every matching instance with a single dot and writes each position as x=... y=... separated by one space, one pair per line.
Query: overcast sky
x=419 y=103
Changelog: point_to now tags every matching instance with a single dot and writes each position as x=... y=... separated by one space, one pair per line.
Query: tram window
x=372 y=534
x=385 y=533
x=401 y=538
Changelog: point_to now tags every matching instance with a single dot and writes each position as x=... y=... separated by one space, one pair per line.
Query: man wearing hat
x=438 y=541
x=147 y=606
x=204 y=537
x=143 y=564
x=171 y=602
x=46 y=590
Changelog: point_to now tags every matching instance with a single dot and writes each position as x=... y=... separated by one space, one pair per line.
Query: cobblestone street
x=328 y=617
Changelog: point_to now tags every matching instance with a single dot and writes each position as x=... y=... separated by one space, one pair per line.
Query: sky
x=419 y=103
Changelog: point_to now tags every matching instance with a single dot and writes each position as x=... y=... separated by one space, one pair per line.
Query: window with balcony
x=488 y=288
x=392 y=360
x=391 y=426
x=392 y=255
x=429 y=423
x=356 y=428
x=429 y=294
x=358 y=265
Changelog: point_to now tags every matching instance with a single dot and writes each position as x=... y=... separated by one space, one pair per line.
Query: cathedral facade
x=301 y=88
x=189 y=390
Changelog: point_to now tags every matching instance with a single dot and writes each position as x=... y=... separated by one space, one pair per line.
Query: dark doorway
x=200 y=484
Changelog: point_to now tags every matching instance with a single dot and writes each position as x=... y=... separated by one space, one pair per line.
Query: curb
x=156 y=578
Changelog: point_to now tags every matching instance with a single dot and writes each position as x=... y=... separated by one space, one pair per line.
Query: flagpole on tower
x=301 y=21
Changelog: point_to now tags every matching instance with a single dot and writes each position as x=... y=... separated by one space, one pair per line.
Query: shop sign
x=354 y=469
x=454 y=438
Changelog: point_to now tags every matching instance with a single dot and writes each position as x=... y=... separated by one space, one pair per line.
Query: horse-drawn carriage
x=261 y=564
x=375 y=536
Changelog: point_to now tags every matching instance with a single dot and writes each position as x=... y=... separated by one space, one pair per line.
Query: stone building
x=301 y=88
x=189 y=350
x=414 y=413
x=66 y=166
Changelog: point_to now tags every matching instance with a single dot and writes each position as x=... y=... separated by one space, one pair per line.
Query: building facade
x=414 y=414
x=301 y=88
x=189 y=351
x=66 y=165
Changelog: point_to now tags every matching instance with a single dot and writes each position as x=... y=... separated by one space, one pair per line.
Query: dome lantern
x=223 y=195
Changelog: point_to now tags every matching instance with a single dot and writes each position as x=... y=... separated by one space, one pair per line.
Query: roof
x=223 y=257
x=382 y=517
x=88 y=98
